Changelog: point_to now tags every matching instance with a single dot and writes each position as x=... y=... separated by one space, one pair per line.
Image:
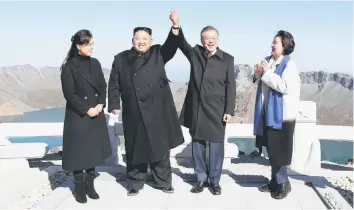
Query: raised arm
x=113 y=88
x=169 y=48
x=185 y=47
x=70 y=93
x=230 y=89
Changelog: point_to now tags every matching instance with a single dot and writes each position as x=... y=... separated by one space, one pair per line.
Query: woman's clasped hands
x=95 y=111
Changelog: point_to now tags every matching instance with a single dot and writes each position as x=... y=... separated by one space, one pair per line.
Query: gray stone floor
x=235 y=195
x=239 y=190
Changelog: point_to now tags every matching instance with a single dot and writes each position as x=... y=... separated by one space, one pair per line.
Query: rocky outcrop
x=321 y=77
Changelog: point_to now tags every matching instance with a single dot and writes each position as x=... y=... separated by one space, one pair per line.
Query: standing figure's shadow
x=117 y=159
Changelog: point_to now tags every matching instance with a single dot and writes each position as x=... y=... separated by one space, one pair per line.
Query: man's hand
x=116 y=111
x=92 y=112
x=227 y=118
x=174 y=17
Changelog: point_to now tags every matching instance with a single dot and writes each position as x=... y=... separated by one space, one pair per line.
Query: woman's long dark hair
x=80 y=38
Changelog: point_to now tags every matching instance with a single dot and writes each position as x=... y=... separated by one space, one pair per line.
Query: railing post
x=306 y=147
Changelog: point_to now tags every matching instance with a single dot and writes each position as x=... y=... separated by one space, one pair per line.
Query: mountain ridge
x=27 y=88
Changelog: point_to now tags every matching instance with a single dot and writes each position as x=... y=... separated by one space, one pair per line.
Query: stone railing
x=306 y=155
x=16 y=155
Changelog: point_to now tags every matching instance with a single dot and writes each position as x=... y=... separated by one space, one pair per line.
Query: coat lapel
x=85 y=75
x=203 y=59
x=136 y=60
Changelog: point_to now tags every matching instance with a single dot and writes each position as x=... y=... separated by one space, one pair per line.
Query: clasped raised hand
x=174 y=17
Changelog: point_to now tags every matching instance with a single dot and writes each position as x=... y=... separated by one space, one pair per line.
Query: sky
x=38 y=33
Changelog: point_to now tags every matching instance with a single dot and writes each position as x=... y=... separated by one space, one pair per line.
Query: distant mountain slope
x=25 y=88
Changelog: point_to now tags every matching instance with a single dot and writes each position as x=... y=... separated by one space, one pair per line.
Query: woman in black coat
x=85 y=136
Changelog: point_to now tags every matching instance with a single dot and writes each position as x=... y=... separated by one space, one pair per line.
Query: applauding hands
x=261 y=68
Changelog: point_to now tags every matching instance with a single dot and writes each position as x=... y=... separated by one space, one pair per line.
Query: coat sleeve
x=102 y=87
x=113 y=88
x=255 y=79
x=169 y=48
x=70 y=92
x=184 y=46
x=289 y=80
x=230 y=88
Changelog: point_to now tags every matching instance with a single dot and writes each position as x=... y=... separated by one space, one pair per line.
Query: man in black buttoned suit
x=150 y=119
x=209 y=105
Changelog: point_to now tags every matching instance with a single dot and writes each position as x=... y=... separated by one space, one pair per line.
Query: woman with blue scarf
x=276 y=108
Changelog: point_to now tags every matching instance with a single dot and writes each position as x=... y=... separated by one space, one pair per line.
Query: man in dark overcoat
x=150 y=119
x=208 y=106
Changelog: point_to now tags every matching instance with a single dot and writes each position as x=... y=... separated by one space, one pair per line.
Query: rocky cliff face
x=332 y=92
x=25 y=88
x=321 y=78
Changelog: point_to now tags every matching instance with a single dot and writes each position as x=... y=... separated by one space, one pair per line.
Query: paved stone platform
x=235 y=195
x=51 y=188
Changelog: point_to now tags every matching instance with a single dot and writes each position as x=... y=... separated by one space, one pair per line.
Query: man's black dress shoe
x=282 y=190
x=215 y=189
x=269 y=187
x=199 y=187
x=133 y=192
x=169 y=189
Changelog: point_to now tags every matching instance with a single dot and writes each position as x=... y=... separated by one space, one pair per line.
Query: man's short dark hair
x=287 y=40
x=146 y=29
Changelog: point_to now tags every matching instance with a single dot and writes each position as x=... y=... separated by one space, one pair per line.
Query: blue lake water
x=334 y=151
x=44 y=115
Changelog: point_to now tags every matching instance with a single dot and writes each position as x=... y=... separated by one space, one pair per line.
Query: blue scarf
x=274 y=111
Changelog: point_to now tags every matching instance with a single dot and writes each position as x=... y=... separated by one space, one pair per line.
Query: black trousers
x=216 y=160
x=161 y=173
x=89 y=170
x=279 y=144
x=280 y=174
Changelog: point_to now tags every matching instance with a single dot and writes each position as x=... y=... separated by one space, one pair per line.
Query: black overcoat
x=211 y=92
x=85 y=140
x=149 y=115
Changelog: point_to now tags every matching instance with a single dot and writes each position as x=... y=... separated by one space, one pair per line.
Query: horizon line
x=236 y=64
